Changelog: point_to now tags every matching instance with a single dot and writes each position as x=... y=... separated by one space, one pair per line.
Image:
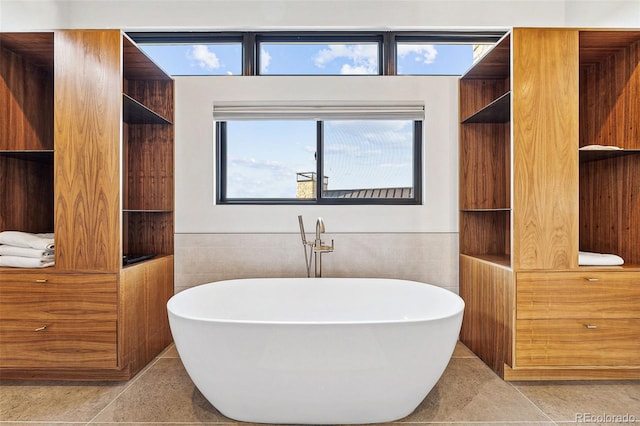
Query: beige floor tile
x=170 y=352
x=567 y=401
x=163 y=423
x=164 y=393
x=461 y=351
x=43 y=424
x=469 y=391
x=22 y=401
x=549 y=423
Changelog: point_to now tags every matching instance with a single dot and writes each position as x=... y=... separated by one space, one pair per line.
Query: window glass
x=368 y=158
x=433 y=59
x=197 y=59
x=362 y=161
x=283 y=58
x=264 y=157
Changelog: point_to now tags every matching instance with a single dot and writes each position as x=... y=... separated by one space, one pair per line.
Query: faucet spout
x=319 y=229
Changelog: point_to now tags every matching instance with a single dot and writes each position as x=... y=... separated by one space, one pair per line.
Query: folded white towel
x=25 y=262
x=6 y=250
x=25 y=239
x=600 y=148
x=587 y=258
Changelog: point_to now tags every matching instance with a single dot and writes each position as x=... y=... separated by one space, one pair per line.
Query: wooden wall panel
x=545 y=131
x=26 y=104
x=475 y=94
x=150 y=167
x=610 y=99
x=485 y=233
x=485 y=181
x=145 y=289
x=148 y=232
x=87 y=134
x=26 y=193
x=487 y=326
x=156 y=95
x=610 y=207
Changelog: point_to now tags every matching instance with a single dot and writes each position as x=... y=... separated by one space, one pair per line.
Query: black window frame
x=321 y=38
x=221 y=175
x=387 y=42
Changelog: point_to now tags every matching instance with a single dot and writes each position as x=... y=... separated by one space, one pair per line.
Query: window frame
x=387 y=42
x=221 y=175
x=320 y=38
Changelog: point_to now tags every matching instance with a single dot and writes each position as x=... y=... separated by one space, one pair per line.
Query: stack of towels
x=25 y=250
x=587 y=258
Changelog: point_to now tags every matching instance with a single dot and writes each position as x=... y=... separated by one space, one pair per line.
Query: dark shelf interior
x=136 y=113
x=498 y=111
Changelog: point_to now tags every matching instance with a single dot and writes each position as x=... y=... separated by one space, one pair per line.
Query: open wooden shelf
x=530 y=200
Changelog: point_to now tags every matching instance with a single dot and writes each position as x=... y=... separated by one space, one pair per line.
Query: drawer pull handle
x=43 y=328
x=590 y=326
x=592 y=280
x=41 y=281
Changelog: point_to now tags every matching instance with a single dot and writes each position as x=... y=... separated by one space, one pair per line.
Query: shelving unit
x=26 y=134
x=610 y=116
x=485 y=112
x=530 y=200
x=148 y=150
x=87 y=152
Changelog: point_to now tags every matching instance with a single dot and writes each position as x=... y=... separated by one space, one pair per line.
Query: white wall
x=20 y=15
x=216 y=242
x=195 y=209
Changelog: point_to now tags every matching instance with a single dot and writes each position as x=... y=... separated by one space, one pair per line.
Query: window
x=361 y=160
x=194 y=53
x=319 y=55
x=197 y=59
x=315 y=53
x=433 y=59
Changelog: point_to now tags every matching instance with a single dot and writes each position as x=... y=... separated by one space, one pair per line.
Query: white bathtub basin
x=315 y=351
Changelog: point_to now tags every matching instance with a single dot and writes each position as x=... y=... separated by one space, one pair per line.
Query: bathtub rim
x=455 y=312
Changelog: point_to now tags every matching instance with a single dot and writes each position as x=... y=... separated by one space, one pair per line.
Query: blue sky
x=309 y=58
x=263 y=157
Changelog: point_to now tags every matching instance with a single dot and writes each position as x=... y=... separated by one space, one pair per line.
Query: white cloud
x=425 y=53
x=265 y=61
x=363 y=58
x=203 y=57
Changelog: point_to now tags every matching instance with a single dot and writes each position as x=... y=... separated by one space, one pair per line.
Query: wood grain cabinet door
x=58 y=320
x=574 y=319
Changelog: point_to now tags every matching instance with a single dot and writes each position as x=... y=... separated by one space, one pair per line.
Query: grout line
x=534 y=404
x=126 y=388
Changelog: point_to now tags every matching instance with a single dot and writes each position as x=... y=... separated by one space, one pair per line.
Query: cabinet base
x=66 y=374
x=612 y=373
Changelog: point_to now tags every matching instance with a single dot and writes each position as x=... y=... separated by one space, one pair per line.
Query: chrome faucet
x=319 y=248
x=316 y=247
x=319 y=230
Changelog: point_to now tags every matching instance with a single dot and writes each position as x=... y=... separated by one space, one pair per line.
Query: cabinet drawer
x=58 y=320
x=578 y=342
x=58 y=343
x=578 y=295
x=55 y=297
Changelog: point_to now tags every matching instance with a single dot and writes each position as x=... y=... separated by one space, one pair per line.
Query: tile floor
x=468 y=393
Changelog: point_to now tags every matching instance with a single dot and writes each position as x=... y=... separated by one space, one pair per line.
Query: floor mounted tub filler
x=315 y=350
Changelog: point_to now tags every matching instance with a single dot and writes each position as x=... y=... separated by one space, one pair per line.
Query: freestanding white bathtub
x=315 y=351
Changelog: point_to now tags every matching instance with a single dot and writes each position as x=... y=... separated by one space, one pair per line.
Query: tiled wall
x=425 y=257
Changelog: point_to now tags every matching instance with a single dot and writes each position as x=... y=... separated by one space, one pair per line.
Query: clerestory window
x=315 y=53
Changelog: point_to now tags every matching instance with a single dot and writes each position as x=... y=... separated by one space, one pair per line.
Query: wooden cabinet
x=532 y=197
x=87 y=153
x=581 y=318
x=58 y=320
